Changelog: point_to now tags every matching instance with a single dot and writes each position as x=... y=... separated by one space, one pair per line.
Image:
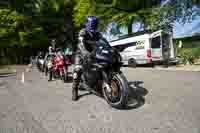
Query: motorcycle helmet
x=91 y=24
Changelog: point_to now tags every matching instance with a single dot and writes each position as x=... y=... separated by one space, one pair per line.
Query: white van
x=145 y=47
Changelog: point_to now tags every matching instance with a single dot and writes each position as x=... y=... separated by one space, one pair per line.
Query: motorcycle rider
x=51 y=50
x=87 y=44
x=48 y=54
x=39 y=59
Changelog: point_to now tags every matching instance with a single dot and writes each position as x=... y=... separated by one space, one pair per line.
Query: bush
x=188 y=55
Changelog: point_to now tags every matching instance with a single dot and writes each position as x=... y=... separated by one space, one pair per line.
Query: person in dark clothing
x=87 y=44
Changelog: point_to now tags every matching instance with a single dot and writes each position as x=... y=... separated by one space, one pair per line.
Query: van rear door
x=156 y=48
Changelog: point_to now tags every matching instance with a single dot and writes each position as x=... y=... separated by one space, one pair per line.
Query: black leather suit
x=86 y=45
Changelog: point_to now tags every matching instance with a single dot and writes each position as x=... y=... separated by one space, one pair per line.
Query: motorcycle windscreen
x=103 y=52
x=103 y=43
x=104 y=56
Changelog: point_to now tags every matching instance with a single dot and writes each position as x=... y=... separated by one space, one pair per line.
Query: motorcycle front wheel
x=50 y=75
x=65 y=74
x=116 y=94
x=46 y=70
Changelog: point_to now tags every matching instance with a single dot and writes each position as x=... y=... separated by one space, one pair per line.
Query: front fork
x=107 y=77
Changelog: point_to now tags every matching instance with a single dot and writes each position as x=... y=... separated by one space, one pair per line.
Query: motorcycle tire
x=65 y=75
x=46 y=70
x=124 y=92
x=50 y=75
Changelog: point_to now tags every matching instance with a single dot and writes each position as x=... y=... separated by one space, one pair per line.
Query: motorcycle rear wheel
x=118 y=97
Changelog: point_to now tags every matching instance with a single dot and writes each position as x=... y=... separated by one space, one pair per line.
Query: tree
x=124 y=12
x=34 y=23
x=52 y=17
x=10 y=24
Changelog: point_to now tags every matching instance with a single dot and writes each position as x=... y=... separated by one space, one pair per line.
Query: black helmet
x=91 y=24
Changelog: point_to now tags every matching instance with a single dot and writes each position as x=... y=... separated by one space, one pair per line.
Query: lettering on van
x=140 y=45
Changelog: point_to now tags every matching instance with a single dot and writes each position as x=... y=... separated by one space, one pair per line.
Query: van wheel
x=132 y=63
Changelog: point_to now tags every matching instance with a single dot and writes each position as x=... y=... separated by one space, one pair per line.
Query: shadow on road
x=7 y=74
x=3 y=83
x=85 y=94
x=136 y=96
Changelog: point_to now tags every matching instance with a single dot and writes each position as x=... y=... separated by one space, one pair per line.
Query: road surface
x=164 y=102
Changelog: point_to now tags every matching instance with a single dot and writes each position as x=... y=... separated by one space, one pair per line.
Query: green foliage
x=9 y=24
x=81 y=10
x=188 y=55
x=105 y=11
x=124 y=12
x=34 y=23
x=57 y=18
x=9 y=21
x=54 y=17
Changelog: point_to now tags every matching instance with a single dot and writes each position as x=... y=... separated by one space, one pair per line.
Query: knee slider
x=77 y=72
x=78 y=68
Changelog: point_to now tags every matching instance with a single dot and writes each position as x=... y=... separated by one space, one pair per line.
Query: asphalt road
x=163 y=102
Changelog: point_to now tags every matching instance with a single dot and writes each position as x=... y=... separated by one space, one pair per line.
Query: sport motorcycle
x=103 y=77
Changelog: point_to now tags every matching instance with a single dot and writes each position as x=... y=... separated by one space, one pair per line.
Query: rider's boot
x=76 y=82
x=75 y=90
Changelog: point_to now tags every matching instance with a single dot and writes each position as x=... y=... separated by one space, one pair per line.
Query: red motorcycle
x=59 y=67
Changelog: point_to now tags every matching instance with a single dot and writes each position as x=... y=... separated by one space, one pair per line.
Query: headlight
x=105 y=51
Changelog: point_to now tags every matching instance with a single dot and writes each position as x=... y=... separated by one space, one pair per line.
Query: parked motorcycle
x=67 y=63
x=102 y=76
x=47 y=64
x=57 y=67
x=40 y=62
